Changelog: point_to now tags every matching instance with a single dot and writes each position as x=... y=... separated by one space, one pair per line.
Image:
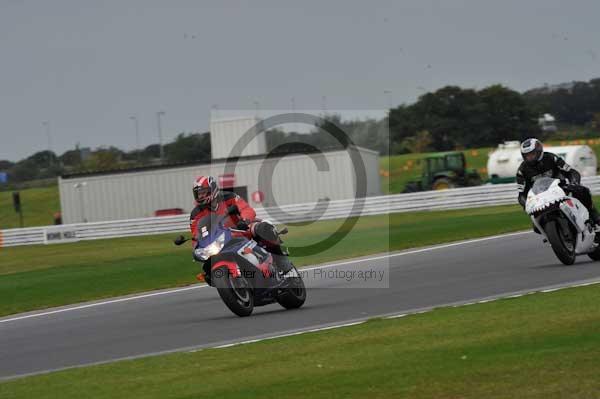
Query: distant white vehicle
x=503 y=162
x=548 y=123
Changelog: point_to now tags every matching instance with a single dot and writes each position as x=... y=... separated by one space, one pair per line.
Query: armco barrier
x=470 y=197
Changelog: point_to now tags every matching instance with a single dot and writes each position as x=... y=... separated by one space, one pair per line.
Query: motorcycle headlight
x=212 y=249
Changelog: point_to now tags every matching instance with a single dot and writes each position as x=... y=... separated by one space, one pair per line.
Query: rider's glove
x=242 y=225
x=569 y=187
x=233 y=210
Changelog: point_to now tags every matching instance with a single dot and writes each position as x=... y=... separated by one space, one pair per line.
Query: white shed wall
x=371 y=162
x=139 y=194
x=225 y=134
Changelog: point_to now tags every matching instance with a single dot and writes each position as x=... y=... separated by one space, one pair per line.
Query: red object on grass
x=169 y=212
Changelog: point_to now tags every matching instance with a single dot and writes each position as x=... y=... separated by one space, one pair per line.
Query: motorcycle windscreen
x=208 y=228
x=542 y=184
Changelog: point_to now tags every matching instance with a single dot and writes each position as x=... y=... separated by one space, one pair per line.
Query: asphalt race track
x=195 y=317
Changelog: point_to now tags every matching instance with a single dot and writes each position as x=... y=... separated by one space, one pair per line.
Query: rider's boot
x=594 y=216
x=282 y=263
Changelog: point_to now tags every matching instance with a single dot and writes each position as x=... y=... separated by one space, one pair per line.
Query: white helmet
x=532 y=151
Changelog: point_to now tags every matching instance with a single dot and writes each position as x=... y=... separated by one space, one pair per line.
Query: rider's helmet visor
x=531 y=156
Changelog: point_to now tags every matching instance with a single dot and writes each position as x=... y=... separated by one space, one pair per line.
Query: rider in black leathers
x=537 y=163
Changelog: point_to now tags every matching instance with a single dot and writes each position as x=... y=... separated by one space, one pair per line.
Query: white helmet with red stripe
x=205 y=190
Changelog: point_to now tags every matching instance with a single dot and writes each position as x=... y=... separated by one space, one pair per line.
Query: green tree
x=41 y=165
x=23 y=171
x=152 y=151
x=6 y=165
x=43 y=159
x=460 y=118
x=104 y=158
x=574 y=103
x=71 y=158
x=596 y=120
x=421 y=142
x=506 y=116
x=189 y=148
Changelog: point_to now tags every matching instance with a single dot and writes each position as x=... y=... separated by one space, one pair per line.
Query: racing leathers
x=221 y=206
x=243 y=220
x=555 y=167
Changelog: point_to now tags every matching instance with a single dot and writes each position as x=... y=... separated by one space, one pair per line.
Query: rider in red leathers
x=209 y=198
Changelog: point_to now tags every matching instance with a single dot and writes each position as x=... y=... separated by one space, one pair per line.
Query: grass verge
x=539 y=346
x=38 y=205
x=36 y=277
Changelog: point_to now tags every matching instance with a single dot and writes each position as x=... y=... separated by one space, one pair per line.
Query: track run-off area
x=340 y=293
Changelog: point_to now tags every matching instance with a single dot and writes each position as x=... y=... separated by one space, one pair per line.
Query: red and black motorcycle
x=246 y=272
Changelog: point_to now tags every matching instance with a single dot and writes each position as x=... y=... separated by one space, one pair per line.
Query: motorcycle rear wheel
x=556 y=238
x=294 y=296
x=595 y=255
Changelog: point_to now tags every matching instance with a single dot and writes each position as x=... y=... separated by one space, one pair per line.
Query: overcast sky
x=87 y=66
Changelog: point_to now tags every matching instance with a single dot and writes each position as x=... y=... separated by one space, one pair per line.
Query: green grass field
x=38 y=204
x=539 y=346
x=35 y=277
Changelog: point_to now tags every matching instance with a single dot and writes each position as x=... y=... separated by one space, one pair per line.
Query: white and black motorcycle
x=562 y=220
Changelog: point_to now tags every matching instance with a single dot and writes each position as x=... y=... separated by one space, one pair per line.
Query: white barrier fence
x=470 y=197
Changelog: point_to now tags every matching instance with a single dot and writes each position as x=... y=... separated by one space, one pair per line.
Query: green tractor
x=442 y=171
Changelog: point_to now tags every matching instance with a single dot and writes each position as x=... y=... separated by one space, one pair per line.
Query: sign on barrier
x=60 y=234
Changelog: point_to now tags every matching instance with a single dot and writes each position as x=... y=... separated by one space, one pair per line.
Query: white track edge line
x=91 y=305
x=404 y=314
x=197 y=286
x=250 y=341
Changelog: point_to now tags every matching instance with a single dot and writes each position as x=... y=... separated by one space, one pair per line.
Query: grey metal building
x=263 y=181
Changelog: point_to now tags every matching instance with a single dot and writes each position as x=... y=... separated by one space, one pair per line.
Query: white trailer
x=505 y=160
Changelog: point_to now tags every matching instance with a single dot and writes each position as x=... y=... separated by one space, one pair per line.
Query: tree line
x=449 y=118
x=575 y=103
x=46 y=164
x=453 y=117
x=457 y=118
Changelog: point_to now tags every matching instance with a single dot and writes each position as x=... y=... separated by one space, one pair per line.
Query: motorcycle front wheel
x=235 y=292
x=562 y=242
